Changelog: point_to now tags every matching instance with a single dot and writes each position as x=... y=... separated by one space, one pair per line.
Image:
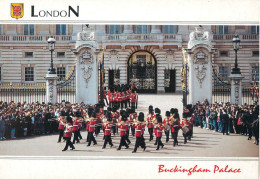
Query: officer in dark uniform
x=225 y=119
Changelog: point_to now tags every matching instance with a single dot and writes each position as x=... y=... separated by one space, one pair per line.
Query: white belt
x=137 y=130
x=122 y=129
x=107 y=129
x=75 y=125
x=159 y=131
x=92 y=126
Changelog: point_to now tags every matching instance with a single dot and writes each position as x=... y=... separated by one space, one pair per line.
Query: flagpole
x=101 y=78
x=185 y=70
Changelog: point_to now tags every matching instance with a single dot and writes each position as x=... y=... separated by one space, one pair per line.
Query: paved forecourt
x=205 y=143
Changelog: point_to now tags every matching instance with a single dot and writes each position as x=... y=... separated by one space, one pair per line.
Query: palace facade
x=149 y=54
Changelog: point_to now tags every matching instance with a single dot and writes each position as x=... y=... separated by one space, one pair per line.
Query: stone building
x=151 y=55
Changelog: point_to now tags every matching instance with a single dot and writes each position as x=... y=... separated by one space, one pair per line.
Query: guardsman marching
x=150 y=120
x=166 y=124
x=157 y=113
x=122 y=127
x=68 y=134
x=91 y=130
x=186 y=127
x=175 y=125
x=62 y=123
x=138 y=133
x=107 y=131
x=111 y=99
x=159 y=132
x=132 y=119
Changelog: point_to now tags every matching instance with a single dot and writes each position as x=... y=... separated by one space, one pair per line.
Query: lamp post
x=51 y=43
x=236 y=43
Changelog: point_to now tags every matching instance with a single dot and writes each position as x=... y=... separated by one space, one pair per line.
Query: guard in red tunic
x=75 y=128
x=159 y=132
x=92 y=123
x=166 y=124
x=111 y=99
x=68 y=134
x=132 y=120
x=175 y=126
x=107 y=131
x=61 y=120
x=138 y=133
x=186 y=127
x=133 y=100
x=115 y=117
x=157 y=113
x=122 y=128
x=150 y=120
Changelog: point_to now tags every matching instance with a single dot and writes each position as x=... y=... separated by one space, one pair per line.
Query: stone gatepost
x=236 y=88
x=86 y=50
x=200 y=66
x=51 y=88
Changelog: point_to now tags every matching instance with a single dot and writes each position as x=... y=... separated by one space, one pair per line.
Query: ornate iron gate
x=142 y=71
x=220 y=90
x=66 y=88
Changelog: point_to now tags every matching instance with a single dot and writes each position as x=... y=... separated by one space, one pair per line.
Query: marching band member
x=166 y=124
x=159 y=132
x=175 y=125
x=132 y=119
x=115 y=116
x=122 y=127
x=127 y=113
x=75 y=128
x=107 y=131
x=62 y=122
x=150 y=119
x=92 y=123
x=138 y=133
x=157 y=113
x=68 y=134
x=186 y=128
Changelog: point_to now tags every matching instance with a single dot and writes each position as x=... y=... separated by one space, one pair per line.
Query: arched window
x=114 y=29
x=61 y=29
x=28 y=29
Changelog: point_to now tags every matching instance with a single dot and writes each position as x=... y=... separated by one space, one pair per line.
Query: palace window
x=255 y=73
x=255 y=53
x=61 y=54
x=28 y=54
x=1 y=29
x=61 y=72
x=223 y=53
x=222 y=29
x=61 y=29
x=255 y=29
x=29 y=74
x=28 y=29
x=114 y=29
x=169 y=29
x=142 y=29
x=223 y=71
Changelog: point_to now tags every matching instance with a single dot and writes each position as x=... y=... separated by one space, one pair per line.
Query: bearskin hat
x=189 y=106
x=128 y=112
x=69 y=119
x=141 y=117
x=124 y=118
x=109 y=116
x=157 y=111
x=184 y=115
x=114 y=109
x=109 y=109
x=93 y=115
x=62 y=113
x=176 y=116
x=167 y=113
x=77 y=114
x=172 y=110
x=90 y=111
x=122 y=112
x=159 y=119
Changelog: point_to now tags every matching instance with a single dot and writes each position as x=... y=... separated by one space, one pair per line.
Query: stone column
x=87 y=60
x=200 y=66
x=236 y=88
x=128 y=29
x=51 y=88
x=156 y=29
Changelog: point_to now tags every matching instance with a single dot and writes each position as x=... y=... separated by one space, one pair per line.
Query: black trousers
x=138 y=142
x=225 y=128
x=80 y=137
x=128 y=101
x=167 y=135
x=159 y=142
x=175 y=140
x=127 y=137
x=91 y=138
x=150 y=130
x=133 y=105
x=97 y=130
x=132 y=130
x=61 y=132
x=136 y=103
x=68 y=143
x=107 y=140
x=76 y=136
x=114 y=128
x=87 y=137
x=122 y=142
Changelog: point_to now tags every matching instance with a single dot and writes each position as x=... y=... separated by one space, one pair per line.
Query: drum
x=185 y=129
x=167 y=127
